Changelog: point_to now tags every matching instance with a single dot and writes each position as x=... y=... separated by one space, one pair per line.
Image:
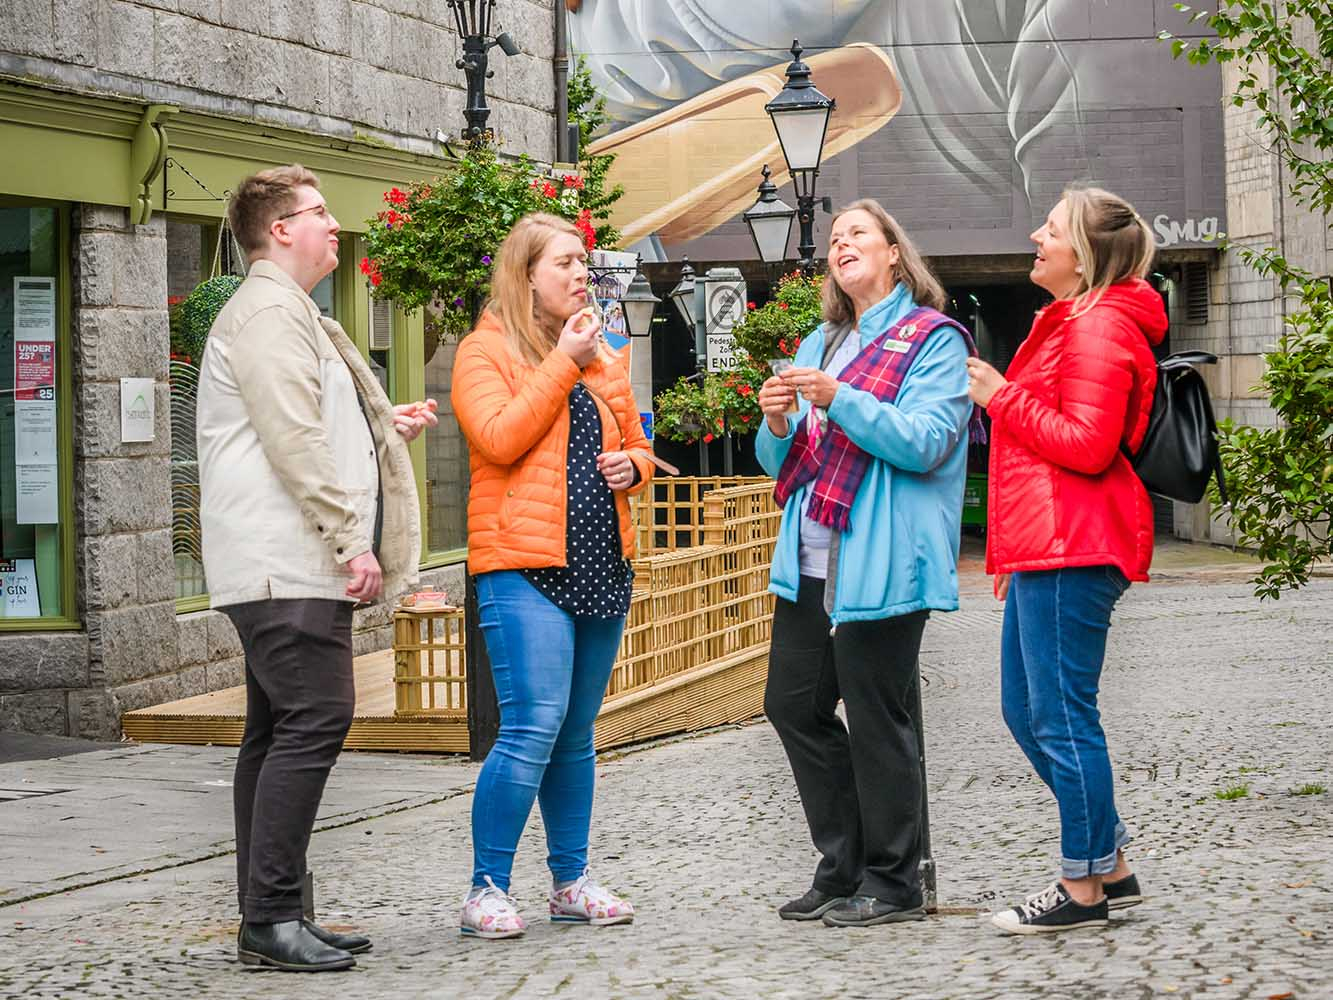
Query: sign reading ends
x=724 y=307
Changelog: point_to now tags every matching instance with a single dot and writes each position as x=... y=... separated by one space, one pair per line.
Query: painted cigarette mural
x=964 y=117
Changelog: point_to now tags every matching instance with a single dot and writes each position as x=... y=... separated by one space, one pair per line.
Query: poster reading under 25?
x=35 y=458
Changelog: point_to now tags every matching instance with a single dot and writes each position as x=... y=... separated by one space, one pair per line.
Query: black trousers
x=298 y=707
x=861 y=791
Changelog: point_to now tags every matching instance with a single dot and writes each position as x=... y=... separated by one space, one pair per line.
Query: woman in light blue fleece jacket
x=870 y=472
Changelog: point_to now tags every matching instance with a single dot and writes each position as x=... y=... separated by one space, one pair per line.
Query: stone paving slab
x=1205 y=690
x=172 y=805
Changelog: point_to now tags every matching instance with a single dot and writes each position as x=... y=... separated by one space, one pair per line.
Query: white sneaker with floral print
x=586 y=902
x=491 y=913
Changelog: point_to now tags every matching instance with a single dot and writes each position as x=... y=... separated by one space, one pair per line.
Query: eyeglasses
x=322 y=209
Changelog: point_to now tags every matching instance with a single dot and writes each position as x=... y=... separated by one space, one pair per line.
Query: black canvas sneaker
x=1049 y=911
x=1122 y=893
x=813 y=905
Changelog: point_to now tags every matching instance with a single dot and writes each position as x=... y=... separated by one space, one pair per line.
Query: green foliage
x=587 y=109
x=1309 y=789
x=193 y=317
x=775 y=329
x=435 y=241
x=1281 y=479
x=729 y=400
x=685 y=411
x=1232 y=792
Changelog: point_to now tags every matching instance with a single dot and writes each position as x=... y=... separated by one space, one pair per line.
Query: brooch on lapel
x=899 y=343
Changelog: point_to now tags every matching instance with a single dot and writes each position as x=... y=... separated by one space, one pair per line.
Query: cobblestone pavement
x=1205 y=690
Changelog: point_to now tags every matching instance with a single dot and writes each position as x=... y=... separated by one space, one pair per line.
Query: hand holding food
x=578 y=339
x=410 y=419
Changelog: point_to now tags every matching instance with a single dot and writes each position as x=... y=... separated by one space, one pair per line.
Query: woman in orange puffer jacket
x=556 y=449
x=1070 y=525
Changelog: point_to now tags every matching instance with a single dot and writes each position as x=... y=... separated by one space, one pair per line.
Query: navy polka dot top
x=597 y=579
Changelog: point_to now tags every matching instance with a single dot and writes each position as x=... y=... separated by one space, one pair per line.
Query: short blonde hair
x=512 y=301
x=261 y=199
x=1110 y=239
x=912 y=269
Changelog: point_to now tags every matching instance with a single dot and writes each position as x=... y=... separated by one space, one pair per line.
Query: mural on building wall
x=965 y=117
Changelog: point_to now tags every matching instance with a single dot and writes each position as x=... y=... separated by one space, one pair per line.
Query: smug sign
x=1169 y=232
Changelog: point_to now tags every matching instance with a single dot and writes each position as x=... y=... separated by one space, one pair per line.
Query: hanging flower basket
x=193 y=317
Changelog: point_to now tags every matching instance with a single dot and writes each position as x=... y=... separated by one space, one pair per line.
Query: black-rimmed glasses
x=322 y=209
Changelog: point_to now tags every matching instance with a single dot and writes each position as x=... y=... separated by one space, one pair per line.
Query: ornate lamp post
x=800 y=116
x=770 y=221
x=473 y=18
x=638 y=304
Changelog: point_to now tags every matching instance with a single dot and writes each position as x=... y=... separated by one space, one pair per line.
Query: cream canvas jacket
x=288 y=463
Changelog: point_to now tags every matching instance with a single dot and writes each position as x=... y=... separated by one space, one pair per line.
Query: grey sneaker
x=813 y=905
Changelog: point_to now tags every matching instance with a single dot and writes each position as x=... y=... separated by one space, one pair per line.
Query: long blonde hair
x=512 y=301
x=1110 y=240
x=912 y=269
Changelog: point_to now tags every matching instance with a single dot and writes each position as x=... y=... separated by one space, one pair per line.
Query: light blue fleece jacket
x=901 y=552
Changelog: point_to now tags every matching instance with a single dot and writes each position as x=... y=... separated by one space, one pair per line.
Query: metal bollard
x=483 y=707
x=927 y=869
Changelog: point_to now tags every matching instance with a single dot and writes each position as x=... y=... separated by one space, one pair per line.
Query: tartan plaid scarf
x=836 y=465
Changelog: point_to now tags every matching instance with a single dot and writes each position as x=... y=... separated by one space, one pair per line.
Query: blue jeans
x=1054 y=642
x=551 y=669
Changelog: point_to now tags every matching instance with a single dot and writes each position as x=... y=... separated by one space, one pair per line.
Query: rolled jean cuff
x=1070 y=868
x=1122 y=836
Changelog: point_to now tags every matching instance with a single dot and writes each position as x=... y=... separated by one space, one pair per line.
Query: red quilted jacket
x=1061 y=491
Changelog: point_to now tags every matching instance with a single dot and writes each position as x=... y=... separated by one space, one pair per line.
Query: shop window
x=35 y=500
x=192 y=249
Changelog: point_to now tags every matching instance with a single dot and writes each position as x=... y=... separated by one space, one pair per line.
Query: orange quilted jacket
x=516 y=421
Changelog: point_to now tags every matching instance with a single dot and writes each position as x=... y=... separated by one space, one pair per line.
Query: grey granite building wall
x=380 y=68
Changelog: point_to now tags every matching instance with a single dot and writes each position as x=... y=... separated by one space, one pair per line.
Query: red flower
x=797 y=346
x=782 y=305
x=549 y=190
x=396 y=197
x=708 y=438
x=746 y=390
x=750 y=305
x=782 y=345
x=745 y=418
x=584 y=225
x=365 y=265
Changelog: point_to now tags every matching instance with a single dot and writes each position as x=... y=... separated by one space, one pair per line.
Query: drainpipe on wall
x=563 y=153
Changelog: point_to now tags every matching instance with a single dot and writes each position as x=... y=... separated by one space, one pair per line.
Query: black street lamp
x=638 y=303
x=770 y=221
x=473 y=18
x=800 y=116
x=682 y=296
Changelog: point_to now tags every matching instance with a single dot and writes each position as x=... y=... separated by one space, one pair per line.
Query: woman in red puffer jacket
x=1070 y=525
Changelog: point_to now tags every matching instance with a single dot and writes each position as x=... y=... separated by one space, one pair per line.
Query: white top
x=815 y=537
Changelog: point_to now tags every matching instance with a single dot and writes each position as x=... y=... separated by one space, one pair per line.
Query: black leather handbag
x=1179 y=451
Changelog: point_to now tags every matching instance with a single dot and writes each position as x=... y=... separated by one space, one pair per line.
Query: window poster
x=612 y=270
x=18 y=589
x=35 y=458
